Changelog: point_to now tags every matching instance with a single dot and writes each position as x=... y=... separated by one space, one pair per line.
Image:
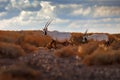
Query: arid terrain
x=24 y=55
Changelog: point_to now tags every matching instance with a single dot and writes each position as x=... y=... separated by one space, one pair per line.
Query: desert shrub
x=19 y=37
x=8 y=50
x=19 y=72
x=66 y=51
x=6 y=39
x=103 y=57
x=115 y=45
x=87 y=49
x=76 y=38
x=38 y=41
x=28 y=47
x=8 y=36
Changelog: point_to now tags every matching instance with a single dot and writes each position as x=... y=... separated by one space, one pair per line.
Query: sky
x=69 y=15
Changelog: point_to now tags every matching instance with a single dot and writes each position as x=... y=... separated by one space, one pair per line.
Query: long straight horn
x=48 y=23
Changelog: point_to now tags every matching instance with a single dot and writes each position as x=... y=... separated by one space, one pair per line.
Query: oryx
x=101 y=37
x=57 y=37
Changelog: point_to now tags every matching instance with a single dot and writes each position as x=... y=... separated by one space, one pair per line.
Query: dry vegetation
x=19 y=71
x=8 y=50
x=87 y=49
x=66 y=51
x=94 y=53
x=15 y=43
x=103 y=57
x=18 y=43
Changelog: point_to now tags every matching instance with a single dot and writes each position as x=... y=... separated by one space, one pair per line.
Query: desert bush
x=87 y=49
x=102 y=57
x=19 y=72
x=28 y=48
x=76 y=38
x=38 y=41
x=115 y=45
x=8 y=36
x=19 y=37
x=8 y=50
x=66 y=51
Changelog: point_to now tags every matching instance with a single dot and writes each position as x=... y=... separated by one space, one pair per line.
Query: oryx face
x=85 y=36
x=44 y=31
x=84 y=39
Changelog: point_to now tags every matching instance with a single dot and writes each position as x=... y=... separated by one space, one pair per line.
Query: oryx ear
x=42 y=31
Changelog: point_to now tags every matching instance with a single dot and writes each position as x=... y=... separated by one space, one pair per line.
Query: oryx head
x=45 y=29
x=85 y=36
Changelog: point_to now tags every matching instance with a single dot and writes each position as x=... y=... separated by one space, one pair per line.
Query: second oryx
x=101 y=37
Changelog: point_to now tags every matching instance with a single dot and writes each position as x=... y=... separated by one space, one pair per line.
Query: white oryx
x=101 y=37
x=57 y=37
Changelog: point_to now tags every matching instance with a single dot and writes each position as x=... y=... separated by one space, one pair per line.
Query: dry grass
x=37 y=40
x=103 y=57
x=66 y=51
x=93 y=53
x=19 y=72
x=115 y=45
x=87 y=49
x=76 y=38
x=28 y=40
x=16 y=43
x=28 y=48
x=9 y=50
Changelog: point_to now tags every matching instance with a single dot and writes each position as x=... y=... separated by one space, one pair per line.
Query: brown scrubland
x=18 y=43
x=15 y=44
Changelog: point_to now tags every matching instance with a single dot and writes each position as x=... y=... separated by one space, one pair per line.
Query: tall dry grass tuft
x=8 y=36
x=76 y=38
x=19 y=72
x=66 y=51
x=28 y=48
x=87 y=49
x=116 y=44
x=103 y=57
x=8 y=50
x=38 y=41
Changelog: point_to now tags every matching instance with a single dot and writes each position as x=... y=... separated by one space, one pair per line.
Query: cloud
x=29 y=19
x=74 y=9
x=13 y=8
x=81 y=11
x=45 y=13
x=26 y=5
x=3 y=4
x=67 y=11
x=2 y=14
x=69 y=15
x=110 y=25
x=106 y=11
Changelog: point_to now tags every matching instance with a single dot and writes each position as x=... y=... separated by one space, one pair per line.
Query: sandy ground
x=70 y=68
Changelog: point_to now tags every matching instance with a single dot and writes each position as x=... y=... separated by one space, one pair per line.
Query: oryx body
x=61 y=37
x=98 y=37
x=101 y=37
